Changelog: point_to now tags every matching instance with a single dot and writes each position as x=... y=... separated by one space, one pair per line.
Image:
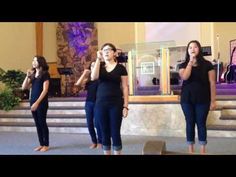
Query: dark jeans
x=40 y=121
x=89 y=109
x=109 y=115
x=196 y=114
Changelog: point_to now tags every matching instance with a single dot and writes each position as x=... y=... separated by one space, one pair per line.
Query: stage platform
x=156 y=115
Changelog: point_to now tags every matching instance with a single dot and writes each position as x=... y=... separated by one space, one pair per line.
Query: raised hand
x=29 y=73
x=99 y=54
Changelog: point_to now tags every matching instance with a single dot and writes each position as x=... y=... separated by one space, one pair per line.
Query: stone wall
x=154 y=120
x=167 y=119
x=76 y=47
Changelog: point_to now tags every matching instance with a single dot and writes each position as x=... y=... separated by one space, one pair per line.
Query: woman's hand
x=29 y=73
x=87 y=72
x=99 y=54
x=213 y=105
x=192 y=60
x=125 y=112
x=34 y=106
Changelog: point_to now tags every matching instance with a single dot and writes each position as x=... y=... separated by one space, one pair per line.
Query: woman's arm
x=186 y=72
x=83 y=78
x=211 y=76
x=42 y=95
x=124 y=83
x=95 y=71
x=26 y=82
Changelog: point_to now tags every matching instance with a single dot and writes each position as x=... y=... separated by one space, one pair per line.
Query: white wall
x=182 y=33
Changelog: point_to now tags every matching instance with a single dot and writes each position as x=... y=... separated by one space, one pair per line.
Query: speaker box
x=154 y=148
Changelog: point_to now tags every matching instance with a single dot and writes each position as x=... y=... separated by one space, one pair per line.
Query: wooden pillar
x=165 y=72
x=39 y=38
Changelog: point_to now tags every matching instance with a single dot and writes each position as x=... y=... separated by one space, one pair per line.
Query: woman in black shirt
x=198 y=93
x=91 y=86
x=38 y=78
x=112 y=97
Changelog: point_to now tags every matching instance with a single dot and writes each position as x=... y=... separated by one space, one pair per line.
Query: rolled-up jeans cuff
x=190 y=142
x=117 y=148
x=202 y=142
x=106 y=148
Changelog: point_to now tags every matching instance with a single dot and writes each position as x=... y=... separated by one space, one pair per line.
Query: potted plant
x=10 y=88
x=8 y=100
x=12 y=78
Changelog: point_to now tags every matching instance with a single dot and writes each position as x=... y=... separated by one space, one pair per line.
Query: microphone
x=233 y=49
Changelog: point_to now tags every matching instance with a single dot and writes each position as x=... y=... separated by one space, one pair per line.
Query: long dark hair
x=42 y=65
x=199 y=56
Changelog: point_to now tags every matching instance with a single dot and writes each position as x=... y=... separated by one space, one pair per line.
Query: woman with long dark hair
x=198 y=94
x=38 y=79
x=91 y=86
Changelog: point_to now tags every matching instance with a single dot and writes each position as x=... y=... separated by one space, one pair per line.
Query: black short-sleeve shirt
x=109 y=87
x=91 y=88
x=196 y=89
x=37 y=88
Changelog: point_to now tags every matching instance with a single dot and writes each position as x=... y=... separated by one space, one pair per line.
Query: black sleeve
x=46 y=76
x=123 y=70
x=209 y=66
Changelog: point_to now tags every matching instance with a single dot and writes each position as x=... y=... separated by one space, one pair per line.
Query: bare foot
x=44 y=149
x=108 y=152
x=99 y=146
x=93 y=146
x=38 y=148
x=117 y=152
x=191 y=148
x=203 y=149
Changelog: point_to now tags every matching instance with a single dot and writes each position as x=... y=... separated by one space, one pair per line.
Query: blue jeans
x=196 y=114
x=109 y=115
x=91 y=121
